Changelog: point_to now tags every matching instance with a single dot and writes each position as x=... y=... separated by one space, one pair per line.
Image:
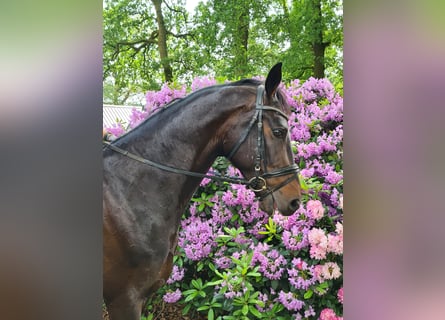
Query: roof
x=113 y=114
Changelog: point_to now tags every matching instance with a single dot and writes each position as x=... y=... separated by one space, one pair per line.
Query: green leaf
x=245 y=309
x=186 y=309
x=210 y=315
x=203 y=308
x=308 y=294
x=196 y=284
x=303 y=184
x=258 y=302
x=213 y=283
x=224 y=237
x=190 y=297
x=324 y=285
x=274 y=284
x=255 y=312
x=188 y=292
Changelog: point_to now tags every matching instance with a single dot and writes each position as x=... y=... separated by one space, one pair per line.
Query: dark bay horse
x=151 y=173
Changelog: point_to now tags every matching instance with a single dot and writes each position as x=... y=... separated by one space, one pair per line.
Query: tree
x=138 y=36
x=316 y=38
x=240 y=36
x=162 y=41
x=147 y=43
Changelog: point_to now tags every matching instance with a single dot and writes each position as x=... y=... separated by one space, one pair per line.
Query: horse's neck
x=186 y=136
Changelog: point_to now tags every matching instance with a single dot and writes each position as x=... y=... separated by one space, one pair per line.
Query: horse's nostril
x=294 y=204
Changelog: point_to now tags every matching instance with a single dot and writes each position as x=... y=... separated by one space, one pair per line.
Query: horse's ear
x=273 y=80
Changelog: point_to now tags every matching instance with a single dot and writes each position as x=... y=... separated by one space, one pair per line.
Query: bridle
x=258 y=183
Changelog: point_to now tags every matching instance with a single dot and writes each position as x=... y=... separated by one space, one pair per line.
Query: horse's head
x=259 y=145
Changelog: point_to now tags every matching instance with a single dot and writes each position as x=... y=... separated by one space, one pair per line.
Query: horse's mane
x=192 y=95
x=185 y=100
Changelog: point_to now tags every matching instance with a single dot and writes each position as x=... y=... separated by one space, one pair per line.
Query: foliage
x=232 y=39
x=236 y=262
x=308 y=27
x=131 y=59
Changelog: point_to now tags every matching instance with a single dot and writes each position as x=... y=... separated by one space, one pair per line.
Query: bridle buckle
x=257 y=184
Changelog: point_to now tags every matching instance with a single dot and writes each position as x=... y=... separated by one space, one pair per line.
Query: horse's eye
x=279 y=133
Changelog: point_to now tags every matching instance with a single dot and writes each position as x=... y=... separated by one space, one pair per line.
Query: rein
x=258 y=182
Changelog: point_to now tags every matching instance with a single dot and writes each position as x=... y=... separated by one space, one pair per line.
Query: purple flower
x=177 y=274
x=223 y=262
x=234 y=287
x=172 y=297
x=197 y=238
x=307 y=172
x=296 y=238
x=289 y=301
x=310 y=312
x=254 y=213
x=271 y=263
x=202 y=82
x=229 y=198
x=117 y=129
x=268 y=305
x=137 y=116
x=301 y=275
x=333 y=177
x=221 y=214
x=335 y=197
x=157 y=99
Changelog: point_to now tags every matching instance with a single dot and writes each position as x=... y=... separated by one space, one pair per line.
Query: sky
x=191 y=4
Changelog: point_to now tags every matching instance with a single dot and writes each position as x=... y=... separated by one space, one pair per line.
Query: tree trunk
x=318 y=46
x=241 y=40
x=162 y=42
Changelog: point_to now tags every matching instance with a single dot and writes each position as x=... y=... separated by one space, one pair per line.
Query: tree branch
x=136 y=45
x=183 y=12
x=181 y=35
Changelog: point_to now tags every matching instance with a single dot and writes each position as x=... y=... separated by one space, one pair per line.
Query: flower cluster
x=289 y=301
x=329 y=314
x=340 y=295
x=301 y=276
x=177 y=274
x=158 y=99
x=295 y=266
x=173 y=296
x=271 y=262
x=197 y=238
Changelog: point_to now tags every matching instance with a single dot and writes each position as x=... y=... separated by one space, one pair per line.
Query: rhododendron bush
x=236 y=262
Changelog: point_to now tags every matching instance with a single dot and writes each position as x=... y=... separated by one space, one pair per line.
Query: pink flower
x=330 y=270
x=335 y=244
x=315 y=209
x=340 y=295
x=328 y=314
x=317 y=272
x=339 y=228
x=319 y=243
